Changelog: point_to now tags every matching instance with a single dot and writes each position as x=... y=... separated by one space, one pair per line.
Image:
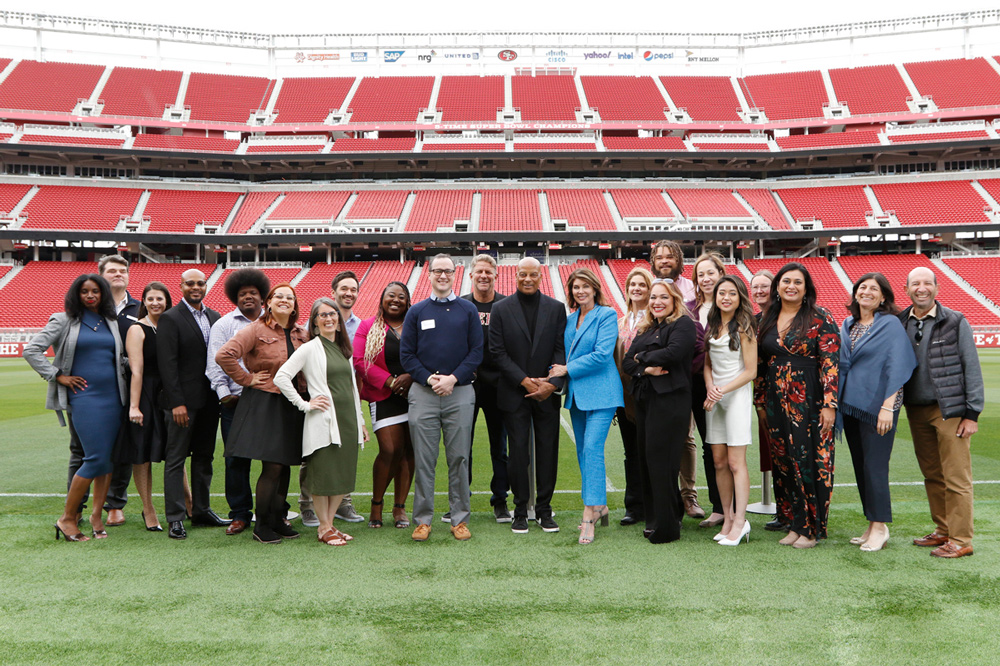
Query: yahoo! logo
x=596 y=54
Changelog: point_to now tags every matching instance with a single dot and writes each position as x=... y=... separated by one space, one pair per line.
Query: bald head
x=529 y=276
x=193 y=287
x=922 y=288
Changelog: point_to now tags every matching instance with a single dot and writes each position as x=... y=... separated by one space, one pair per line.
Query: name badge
x=426 y=324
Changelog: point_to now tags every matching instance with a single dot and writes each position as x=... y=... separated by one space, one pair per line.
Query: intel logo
x=626 y=56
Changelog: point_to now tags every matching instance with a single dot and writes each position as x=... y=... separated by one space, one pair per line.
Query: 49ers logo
x=507 y=55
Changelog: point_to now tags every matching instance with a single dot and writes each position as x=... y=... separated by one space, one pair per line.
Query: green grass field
x=140 y=598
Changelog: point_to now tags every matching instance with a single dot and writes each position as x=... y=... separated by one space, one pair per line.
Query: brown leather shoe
x=236 y=527
x=692 y=508
x=116 y=518
x=461 y=532
x=421 y=533
x=931 y=540
x=950 y=549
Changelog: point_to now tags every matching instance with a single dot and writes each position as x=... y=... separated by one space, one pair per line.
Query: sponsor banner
x=14 y=349
x=453 y=127
x=988 y=340
x=655 y=56
x=303 y=57
x=447 y=56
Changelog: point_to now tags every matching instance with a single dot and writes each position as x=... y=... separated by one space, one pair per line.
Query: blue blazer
x=594 y=382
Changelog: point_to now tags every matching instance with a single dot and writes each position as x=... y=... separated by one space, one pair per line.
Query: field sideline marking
x=559 y=492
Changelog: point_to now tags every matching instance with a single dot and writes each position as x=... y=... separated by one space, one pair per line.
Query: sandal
x=374 y=522
x=342 y=535
x=585 y=540
x=332 y=538
x=403 y=522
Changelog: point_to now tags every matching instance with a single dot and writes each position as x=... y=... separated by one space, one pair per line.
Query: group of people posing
x=145 y=382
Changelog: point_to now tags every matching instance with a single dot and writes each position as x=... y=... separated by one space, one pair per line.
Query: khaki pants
x=946 y=463
x=689 y=464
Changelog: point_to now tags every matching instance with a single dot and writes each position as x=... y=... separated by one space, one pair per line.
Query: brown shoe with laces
x=931 y=540
x=950 y=549
x=692 y=508
x=461 y=532
x=421 y=533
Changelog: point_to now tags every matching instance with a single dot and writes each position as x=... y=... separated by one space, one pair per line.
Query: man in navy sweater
x=441 y=347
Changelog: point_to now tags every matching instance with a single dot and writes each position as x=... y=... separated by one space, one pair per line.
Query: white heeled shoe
x=745 y=532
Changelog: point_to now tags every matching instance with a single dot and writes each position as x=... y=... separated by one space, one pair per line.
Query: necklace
x=149 y=322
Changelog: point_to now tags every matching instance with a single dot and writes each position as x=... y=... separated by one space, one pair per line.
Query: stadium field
x=140 y=598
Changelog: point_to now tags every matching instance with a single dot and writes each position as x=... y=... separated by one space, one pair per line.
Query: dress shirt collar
x=450 y=297
x=932 y=313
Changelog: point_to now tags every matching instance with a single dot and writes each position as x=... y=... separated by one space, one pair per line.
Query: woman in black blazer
x=659 y=360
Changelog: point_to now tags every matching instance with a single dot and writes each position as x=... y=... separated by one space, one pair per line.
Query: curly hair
x=246 y=277
x=74 y=306
x=376 y=334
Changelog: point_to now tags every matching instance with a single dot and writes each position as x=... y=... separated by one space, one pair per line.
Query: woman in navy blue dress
x=87 y=379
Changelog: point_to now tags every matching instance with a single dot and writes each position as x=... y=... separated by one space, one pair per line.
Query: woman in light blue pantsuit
x=594 y=391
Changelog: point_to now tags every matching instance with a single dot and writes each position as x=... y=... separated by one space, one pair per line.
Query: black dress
x=149 y=439
x=393 y=409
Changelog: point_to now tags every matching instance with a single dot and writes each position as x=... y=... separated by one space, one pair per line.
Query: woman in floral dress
x=800 y=346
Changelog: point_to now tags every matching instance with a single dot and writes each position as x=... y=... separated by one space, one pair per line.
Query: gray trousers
x=430 y=415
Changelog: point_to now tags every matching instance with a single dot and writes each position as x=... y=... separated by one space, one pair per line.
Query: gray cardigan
x=61 y=334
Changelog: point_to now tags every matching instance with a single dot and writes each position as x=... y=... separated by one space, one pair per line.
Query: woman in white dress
x=730 y=367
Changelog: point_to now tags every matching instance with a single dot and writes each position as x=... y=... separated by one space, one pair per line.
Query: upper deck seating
x=645 y=203
x=322 y=205
x=311 y=99
x=956 y=84
x=433 y=209
x=48 y=86
x=226 y=98
x=187 y=143
x=931 y=203
x=762 y=201
x=140 y=93
x=510 y=210
x=545 y=98
x=395 y=99
x=711 y=203
x=828 y=140
x=180 y=211
x=871 y=90
x=843 y=206
x=470 y=98
x=585 y=208
x=786 y=96
x=624 y=97
x=704 y=97
x=77 y=207
x=671 y=143
x=378 y=205
x=254 y=205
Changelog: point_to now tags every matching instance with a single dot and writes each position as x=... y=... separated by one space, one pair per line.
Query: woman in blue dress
x=87 y=379
x=594 y=391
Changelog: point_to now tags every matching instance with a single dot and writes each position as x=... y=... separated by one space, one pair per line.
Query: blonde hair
x=647 y=278
x=680 y=310
x=715 y=258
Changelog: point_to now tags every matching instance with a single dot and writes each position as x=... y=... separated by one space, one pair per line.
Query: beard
x=669 y=274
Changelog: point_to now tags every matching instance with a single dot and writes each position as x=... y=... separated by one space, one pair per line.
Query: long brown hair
x=375 y=341
x=587 y=276
x=716 y=259
x=742 y=322
x=292 y=318
x=343 y=342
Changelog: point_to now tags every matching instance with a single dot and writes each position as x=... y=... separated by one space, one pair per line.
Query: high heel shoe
x=745 y=532
x=373 y=522
x=584 y=540
x=70 y=537
x=98 y=534
x=404 y=522
x=602 y=515
x=869 y=547
x=154 y=528
x=719 y=537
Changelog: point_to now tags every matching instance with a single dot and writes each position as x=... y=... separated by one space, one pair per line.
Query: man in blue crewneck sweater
x=441 y=347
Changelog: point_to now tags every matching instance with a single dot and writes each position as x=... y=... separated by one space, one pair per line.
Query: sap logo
x=359 y=56
x=507 y=55
x=393 y=56
x=649 y=56
x=626 y=56
x=427 y=57
x=596 y=55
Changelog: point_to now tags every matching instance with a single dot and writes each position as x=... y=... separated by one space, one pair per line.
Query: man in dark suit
x=526 y=339
x=192 y=409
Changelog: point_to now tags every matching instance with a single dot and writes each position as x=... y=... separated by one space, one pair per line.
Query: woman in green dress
x=334 y=427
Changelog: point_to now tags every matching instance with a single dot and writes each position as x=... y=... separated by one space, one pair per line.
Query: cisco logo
x=359 y=56
x=557 y=56
x=649 y=56
x=393 y=56
x=507 y=55
x=597 y=55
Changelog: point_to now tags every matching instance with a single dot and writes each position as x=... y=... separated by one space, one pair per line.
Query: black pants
x=698 y=394
x=239 y=494
x=531 y=415
x=662 y=422
x=870 y=454
x=198 y=441
x=121 y=473
x=486 y=400
x=633 y=481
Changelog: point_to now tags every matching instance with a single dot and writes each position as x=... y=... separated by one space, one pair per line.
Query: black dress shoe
x=177 y=530
x=631 y=519
x=209 y=519
x=776 y=526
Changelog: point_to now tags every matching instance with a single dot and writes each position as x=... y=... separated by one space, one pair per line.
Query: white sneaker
x=309 y=518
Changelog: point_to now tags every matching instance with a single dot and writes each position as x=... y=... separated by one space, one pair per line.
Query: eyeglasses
x=662 y=281
x=919 y=335
x=193 y=283
x=442 y=271
x=327 y=315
